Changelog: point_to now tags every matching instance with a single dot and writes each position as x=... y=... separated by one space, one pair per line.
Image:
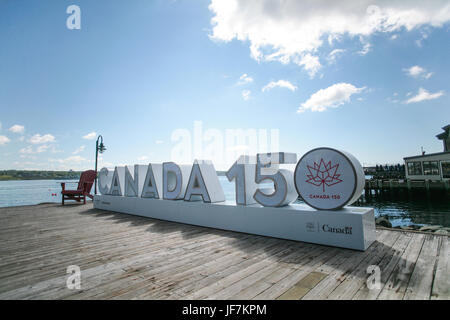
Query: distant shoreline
x=19 y=175
x=16 y=175
x=31 y=179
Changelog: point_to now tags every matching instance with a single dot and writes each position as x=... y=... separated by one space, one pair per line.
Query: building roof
x=427 y=155
x=444 y=134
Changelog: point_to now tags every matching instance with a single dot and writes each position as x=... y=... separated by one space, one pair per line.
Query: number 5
x=283 y=180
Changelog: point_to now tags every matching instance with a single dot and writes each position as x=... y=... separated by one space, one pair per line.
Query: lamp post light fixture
x=98 y=148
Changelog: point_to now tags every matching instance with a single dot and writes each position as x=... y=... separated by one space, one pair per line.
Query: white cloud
x=4 y=140
x=423 y=37
x=39 y=149
x=310 y=63
x=17 y=128
x=244 y=79
x=331 y=97
x=38 y=139
x=366 y=47
x=332 y=38
x=332 y=56
x=159 y=142
x=75 y=159
x=28 y=165
x=78 y=150
x=423 y=95
x=74 y=163
x=102 y=163
x=394 y=98
x=246 y=94
x=90 y=136
x=414 y=71
x=70 y=160
x=288 y=30
x=280 y=83
x=241 y=148
x=42 y=148
x=107 y=165
x=26 y=156
x=391 y=100
x=54 y=150
x=142 y=158
x=418 y=72
x=27 y=150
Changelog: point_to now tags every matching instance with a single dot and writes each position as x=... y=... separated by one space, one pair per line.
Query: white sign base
x=350 y=227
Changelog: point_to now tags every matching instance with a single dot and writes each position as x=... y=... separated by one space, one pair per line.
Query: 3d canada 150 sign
x=326 y=179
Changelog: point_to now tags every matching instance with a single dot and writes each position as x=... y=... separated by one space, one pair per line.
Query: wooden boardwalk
x=130 y=257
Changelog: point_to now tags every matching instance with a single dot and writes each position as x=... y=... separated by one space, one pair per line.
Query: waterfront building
x=433 y=166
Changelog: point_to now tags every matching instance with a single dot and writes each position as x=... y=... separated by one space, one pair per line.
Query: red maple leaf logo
x=323 y=174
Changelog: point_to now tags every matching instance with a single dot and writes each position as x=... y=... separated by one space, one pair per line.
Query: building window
x=445 y=170
x=431 y=168
x=414 y=168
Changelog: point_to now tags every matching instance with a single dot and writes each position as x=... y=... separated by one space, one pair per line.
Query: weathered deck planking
x=130 y=257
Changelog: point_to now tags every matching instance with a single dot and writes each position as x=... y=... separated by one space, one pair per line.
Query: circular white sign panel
x=329 y=179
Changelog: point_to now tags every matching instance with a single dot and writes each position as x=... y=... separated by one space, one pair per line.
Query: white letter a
x=74 y=20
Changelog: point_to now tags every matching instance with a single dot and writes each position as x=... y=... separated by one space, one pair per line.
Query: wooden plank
x=338 y=273
x=94 y=275
x=441 y=282
x=357 y=277
x=398 y=280
x=40 y=260
x=420 y=283
x=123 y=285
x=302 y=287
x=130 y=257
x=263 y=284
x=217 y=288
x=299 y=271
x=100 y=258
x=219 y=284
x=201 y=276
x=216 y=272
x=178 y=291
x=387 y=265
x=233 y=291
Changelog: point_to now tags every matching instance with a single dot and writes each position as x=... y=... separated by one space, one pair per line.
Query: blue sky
x=138 y=70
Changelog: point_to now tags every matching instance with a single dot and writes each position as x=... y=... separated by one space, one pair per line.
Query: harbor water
x=401 y=207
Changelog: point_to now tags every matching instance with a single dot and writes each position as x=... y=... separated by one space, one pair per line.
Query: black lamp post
x=98 y=148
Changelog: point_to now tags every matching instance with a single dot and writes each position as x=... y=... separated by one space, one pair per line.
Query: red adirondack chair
x=87 y=179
